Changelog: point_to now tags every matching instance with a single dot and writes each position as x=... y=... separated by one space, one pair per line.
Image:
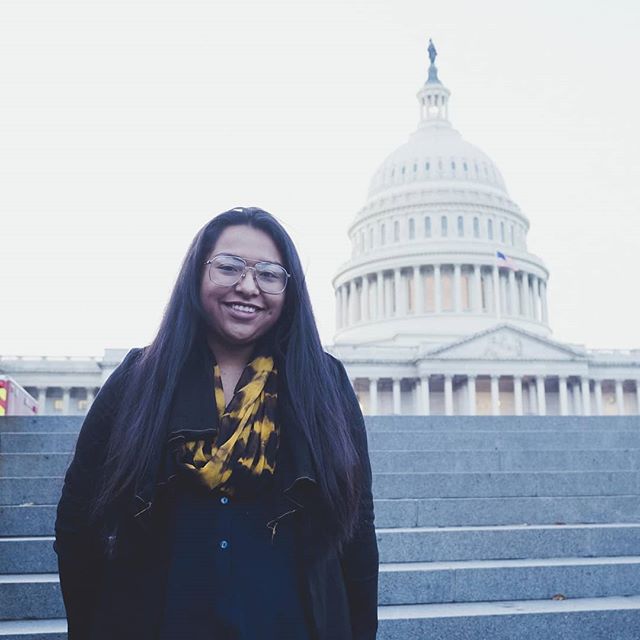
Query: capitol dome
x=439 y=248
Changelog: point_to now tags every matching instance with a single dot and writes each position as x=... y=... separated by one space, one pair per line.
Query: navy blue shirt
x=229 y=577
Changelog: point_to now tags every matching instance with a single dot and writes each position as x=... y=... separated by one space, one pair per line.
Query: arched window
x=382 y=234
x=460 y=226
x=396 y=231
x=427 y=166
x=427 y=227
x=501 y=231
x=490 y=229
x=476 y=228
x=444 y=230
x=453 y=165
x=412 y=228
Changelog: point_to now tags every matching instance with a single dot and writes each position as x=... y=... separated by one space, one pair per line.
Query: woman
x=221 y=485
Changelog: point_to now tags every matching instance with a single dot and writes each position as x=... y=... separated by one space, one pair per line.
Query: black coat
x=113 y=574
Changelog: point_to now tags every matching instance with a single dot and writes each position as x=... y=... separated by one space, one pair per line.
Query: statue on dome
x=432 y=51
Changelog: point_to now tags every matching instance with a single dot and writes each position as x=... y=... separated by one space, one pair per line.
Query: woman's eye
x=226 y=268
x=268 y=275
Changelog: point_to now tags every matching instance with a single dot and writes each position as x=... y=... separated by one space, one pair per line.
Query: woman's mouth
x=245 y=309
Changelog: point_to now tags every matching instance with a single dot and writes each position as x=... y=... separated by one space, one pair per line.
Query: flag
x=505 y=261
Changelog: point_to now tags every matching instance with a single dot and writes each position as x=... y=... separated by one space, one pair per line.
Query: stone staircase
x=503 y=528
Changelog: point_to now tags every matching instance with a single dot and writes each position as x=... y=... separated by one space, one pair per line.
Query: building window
x=476 y=228
x=444 y=226
x=415 y=167
x=393 y=172
x=460 y=226
x=453 y=165
x=58 y=405
x=502 y=232
x=403 y=169
x=412 y=228
x=440 y=165
x=396 y=231
x=490 y=229
x=371 y=238
x=427 y=227
x=382 y=234
x=427 y=166
x=465 y=166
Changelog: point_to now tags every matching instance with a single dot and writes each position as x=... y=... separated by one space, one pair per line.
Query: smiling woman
x=221 y=485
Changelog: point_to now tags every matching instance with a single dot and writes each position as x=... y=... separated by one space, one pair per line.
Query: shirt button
x=223 y=544
x=224 y=500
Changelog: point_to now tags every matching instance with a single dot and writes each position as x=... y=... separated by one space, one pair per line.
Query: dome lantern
x=433 y=97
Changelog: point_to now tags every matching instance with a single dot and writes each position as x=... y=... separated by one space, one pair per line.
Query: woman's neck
x=230 y=356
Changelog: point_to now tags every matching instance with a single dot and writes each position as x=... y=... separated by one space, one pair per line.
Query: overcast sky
x=126 y=125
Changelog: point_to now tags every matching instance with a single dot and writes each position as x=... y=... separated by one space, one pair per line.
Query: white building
x=427 y=320
x=430 y=320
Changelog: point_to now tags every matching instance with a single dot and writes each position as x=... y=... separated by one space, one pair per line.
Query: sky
x=126 y=125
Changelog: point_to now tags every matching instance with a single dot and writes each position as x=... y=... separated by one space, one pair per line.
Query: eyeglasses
x=226 y=270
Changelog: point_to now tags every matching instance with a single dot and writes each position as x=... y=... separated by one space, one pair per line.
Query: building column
x=437 y=288
x=425 y=392
x=524 y=288
x=471 y=395
x=564 y=399
x=543 y=302
x=533 y=404
x=597 y=387
x=495 y=396
x=477 y=289
x=542 y=399
x=418 y=291
x=497 y=302
x=396 y=397
x=380 y=294
x=42 y=400
x=364 y=299
x=397 y=292
x=517 y=395
x=577 y=404
x=586 y=397
x=373 y=396
x=448 y=395
x=66 y=400
x=457 y=288
x=619 y=398
x=513 y=294
x=536 y=299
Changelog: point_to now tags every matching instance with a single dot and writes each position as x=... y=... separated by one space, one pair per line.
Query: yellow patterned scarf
x=247 y=441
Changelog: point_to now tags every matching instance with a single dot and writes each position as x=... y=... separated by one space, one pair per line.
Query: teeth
x=242 y=307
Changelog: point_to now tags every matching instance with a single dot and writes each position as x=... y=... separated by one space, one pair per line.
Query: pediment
x=506 y=343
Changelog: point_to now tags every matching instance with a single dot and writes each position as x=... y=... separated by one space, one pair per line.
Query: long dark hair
x=319 y=402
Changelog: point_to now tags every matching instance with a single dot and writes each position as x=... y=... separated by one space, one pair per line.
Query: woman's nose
x=247 y=282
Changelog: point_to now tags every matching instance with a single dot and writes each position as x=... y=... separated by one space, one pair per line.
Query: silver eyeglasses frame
x=244 y=273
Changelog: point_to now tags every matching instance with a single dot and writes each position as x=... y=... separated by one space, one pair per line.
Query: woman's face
x=239 y=314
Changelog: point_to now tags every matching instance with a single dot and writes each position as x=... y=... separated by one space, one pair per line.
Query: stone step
x=51 y=424
x=479 y=461
x=389 y=423
x=500 y=423
x=501 y=484
x=38 y=520
x=507 y=542
x=450 y=440
x=614 y=618
x=55 y=464
x=34 y=554
x=495 y=580
x=511 y=440
x=27 y=520
x=411 y=485
x=16 y=465
x=49 y=442
x=30 y=596
x=34 y=629
x=28 y=554
x=446 y=512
